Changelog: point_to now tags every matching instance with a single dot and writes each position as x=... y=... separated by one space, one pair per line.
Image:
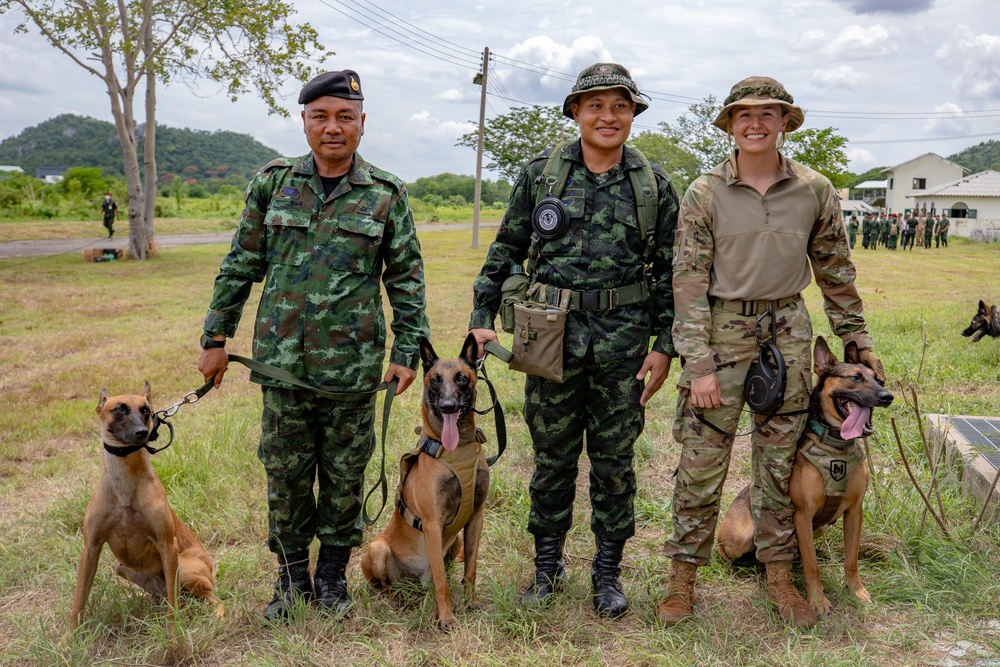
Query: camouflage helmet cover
x=604 y=76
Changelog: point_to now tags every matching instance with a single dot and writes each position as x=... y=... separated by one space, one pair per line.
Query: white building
x=914 y=176
x=871 y=192
x=972 y=204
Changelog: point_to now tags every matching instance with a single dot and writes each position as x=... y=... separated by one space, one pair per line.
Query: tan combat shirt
x=734 y=243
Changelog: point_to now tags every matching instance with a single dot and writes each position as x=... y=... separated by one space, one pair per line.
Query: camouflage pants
x=305 y=438
x=704 y=463
x=927 y=239
x=601 y=400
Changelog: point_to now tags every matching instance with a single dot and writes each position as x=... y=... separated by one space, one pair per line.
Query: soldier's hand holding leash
x=402 y=373
x=705 y=392
x=214 y=360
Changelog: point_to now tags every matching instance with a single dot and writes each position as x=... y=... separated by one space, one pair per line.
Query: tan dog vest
x=462 y=463
x=836 y=461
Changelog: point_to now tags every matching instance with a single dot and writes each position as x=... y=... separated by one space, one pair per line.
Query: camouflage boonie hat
x=604 y=76
x=758 y=91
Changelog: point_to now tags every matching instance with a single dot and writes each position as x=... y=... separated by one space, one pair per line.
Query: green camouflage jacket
x=819 y=234
x=601 y=249
x=320 y=314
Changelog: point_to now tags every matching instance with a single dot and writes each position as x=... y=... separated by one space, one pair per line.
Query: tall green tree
x=510 y=140
x=823 y=150
x=682 y=166
x=247 y=46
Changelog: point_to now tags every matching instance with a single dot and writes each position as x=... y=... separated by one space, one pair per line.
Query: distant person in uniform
x=942 y=233
x=109 y=208
x=852 y=230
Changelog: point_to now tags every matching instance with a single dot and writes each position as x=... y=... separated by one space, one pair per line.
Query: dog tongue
x=854 y=425
x=449 y=432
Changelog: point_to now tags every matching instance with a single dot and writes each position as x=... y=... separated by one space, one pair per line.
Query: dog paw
x=446 y=623
x=860 y=594
x=820 y=604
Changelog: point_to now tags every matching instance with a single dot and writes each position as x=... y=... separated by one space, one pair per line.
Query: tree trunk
x=149 y=138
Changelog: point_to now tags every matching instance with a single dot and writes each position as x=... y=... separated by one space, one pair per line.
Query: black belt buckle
x=748 y=308
x=590 y=299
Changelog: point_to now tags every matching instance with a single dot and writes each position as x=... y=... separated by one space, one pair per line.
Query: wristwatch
x=209 y=343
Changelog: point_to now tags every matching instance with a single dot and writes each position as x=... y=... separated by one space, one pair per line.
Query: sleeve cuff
x=481 y=319
x=863 y=340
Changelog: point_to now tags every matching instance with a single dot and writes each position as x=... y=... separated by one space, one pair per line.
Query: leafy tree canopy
x=512 y=139
x=449 y=185
x=680 y=165
x=980 y=157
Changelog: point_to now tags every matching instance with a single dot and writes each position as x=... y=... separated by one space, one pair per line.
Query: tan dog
x=129 y=511
x=840 y=413
x=431 y=493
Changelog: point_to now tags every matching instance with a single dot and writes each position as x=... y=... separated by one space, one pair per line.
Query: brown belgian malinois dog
x=129 y=512
x=442 y=490
x=839 y=413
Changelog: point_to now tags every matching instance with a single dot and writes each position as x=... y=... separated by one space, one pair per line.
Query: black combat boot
x=550 y=570
x=293 y=581
x=609 y=599
x=331 y=580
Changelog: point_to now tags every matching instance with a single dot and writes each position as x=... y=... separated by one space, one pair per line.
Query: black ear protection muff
x=549 y=218
x=764 y=386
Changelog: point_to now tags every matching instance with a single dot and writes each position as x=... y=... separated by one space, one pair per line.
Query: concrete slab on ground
x=976 y=441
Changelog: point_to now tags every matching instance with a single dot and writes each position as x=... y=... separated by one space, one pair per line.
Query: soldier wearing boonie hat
x=324 y=232
x=751 y=235
x=595 y=261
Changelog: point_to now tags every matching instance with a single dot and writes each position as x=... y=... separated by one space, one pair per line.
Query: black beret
x=345 y=84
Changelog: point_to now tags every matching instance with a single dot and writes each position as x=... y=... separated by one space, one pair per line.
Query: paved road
x=41 y=248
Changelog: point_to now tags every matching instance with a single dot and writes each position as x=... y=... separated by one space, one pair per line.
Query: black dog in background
x=985 y=323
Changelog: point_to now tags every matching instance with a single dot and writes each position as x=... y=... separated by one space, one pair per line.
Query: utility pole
x=481 y=80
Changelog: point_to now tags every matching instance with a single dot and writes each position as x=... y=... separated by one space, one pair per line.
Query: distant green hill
x=78 y=141
x=980 y=157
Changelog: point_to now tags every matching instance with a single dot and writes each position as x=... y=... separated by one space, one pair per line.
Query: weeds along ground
x=69 y=328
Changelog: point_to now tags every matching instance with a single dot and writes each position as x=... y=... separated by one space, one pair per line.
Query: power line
x=914 y=141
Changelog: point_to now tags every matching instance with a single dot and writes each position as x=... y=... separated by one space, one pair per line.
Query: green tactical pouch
x=513 y=290
x=538 y=340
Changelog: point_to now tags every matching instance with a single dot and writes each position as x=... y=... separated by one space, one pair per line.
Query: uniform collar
x=732 y=171
x=630 y=160
x=360 y=174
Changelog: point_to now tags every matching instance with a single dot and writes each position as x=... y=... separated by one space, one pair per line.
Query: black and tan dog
x=985 y=323
x=830 y=473
x=443 y=486
x=129 y=512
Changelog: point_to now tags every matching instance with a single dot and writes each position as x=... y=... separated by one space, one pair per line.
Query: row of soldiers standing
x=885 y=230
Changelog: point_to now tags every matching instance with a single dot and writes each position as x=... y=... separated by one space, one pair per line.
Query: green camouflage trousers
x=305 y=438
x=601 y=400
x=704 y=463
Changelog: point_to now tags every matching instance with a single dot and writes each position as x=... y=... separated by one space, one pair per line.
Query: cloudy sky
x=898 y=78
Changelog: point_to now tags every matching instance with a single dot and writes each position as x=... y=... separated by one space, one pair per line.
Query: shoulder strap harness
x=835 y=459
x=553 y=180
x=462 y=463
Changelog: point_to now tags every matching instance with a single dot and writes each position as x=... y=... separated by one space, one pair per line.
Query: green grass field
x=69 y=328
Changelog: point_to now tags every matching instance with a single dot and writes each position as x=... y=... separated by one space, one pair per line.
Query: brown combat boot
x=792 y=608
x=676 y=606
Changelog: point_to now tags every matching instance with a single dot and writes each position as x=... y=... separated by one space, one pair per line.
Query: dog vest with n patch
x=462 y=463
x=836 y=459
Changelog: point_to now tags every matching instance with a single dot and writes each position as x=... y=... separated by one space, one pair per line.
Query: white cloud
x=841 y=77
x=952 y=121
x=976 y=59
x=564 y=62
x=862 y=43
x=860 y=159
x=810 y=40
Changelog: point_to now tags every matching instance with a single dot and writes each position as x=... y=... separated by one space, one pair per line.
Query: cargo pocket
x=286 y=238
x=356 y=247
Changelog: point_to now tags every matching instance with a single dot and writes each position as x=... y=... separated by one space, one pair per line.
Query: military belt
x=598 y=299
x=751 y=308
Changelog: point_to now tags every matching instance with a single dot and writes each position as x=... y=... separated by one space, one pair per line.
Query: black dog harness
x=462 y=462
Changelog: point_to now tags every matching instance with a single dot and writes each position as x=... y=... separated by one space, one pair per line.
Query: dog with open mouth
x=830 y=474
x=985 y=323
x=443 y=485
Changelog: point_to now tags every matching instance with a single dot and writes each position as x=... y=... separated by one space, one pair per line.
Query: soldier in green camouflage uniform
x=606 y=349
x=735 y=259
x=941 y=230
x=324 y=232
x=866 y=231
x=852 y=230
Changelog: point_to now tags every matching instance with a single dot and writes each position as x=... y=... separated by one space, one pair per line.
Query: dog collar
x=825 y=434
x=153 y=435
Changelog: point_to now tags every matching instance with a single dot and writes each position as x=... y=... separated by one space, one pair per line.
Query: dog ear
x=145 y=391
x=103 y=399
x=982 y=308
x=851 y=353
x=470 y=351
x=823 y=359
x=427 y=354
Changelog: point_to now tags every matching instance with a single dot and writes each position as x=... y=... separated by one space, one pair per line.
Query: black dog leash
x=505 y=356
x=715 y=428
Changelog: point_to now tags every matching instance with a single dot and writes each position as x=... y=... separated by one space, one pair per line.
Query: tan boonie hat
x=604 y=76
x=757 y=91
